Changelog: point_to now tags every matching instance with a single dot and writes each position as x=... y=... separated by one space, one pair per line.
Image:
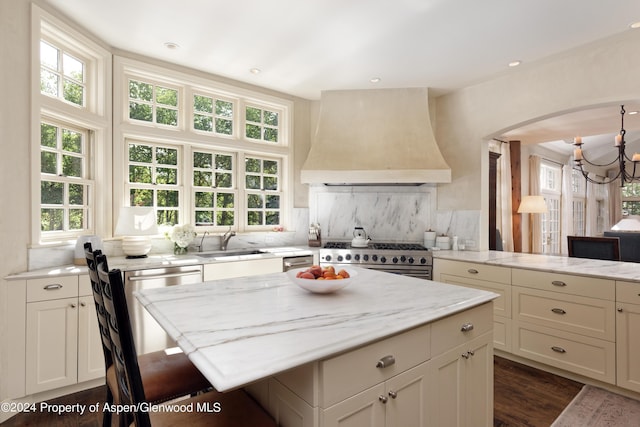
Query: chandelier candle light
x=620 y=144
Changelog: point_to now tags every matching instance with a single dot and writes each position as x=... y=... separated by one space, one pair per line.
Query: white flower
x=182 y=235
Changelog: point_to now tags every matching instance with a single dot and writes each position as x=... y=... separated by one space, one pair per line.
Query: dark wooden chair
x=232 y=409
x=607 y=248
x=164 y=376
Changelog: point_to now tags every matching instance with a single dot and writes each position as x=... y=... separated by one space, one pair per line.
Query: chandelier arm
x=600 y=165
x=605 y=180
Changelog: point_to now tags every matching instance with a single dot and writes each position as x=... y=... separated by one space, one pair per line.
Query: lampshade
x=532 y=204
x=627 y=224
x=136 y=221
x=136 y=224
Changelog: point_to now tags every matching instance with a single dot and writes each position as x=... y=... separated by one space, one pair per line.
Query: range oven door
x=422 y=272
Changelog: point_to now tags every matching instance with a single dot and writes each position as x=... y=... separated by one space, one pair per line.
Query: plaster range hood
x=375 y=137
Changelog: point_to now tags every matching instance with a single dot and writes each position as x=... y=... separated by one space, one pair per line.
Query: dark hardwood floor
x=524 y=397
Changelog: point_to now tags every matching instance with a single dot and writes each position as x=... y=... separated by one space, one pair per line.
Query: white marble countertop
x=241 y=330
x=164 y=260
x=615 y=270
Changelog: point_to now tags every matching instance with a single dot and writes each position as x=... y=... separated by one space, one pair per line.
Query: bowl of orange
x=321 y=280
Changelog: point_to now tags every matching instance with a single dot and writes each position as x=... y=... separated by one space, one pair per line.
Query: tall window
x=550 y=189
x=69 y=152
x=578 y=185
x=214 y=188
x=154 y=179
x=64 y=184
x=262 y=184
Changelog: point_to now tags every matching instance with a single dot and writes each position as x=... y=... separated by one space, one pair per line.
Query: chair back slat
x=125 y=358
x=97 y=299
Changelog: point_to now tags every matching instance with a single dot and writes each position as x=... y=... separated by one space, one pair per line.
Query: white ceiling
x=305 y=46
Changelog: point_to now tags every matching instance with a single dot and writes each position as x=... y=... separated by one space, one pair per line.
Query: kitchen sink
x=225 y=254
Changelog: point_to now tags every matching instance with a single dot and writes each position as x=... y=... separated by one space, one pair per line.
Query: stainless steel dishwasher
x=296 y=261
x=147 y=334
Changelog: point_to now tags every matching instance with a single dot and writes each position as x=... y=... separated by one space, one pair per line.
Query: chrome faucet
x=225 y=239
x=201 y=245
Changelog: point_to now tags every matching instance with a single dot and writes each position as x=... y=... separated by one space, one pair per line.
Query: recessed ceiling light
x=635 y=25
x=515 y=63
x=375 y=79
x=255 y=70
x=171 y=45
x=631 y=113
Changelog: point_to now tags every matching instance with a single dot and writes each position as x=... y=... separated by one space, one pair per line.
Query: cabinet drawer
x=586 y=356
x=628 y=292
x=459 y=328
x=587 y=316
x=501 y=305
x=565 y=283
x=349 y=373
x=473 y=270
x=52 y=288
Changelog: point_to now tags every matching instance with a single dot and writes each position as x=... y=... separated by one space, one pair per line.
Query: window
x=64 y=185
x=262 y=184
x=631 y=199
x=229 y=164
x=212 y=115
x=70 y=151
x=550 y=189
x=154 y=172
x=261 y=124
x=61 y=74
x=214 y=189
x=578 y=186
x=153 y=103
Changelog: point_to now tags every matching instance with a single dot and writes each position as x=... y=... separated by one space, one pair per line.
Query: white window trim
x=95 y=117
x=125 y=68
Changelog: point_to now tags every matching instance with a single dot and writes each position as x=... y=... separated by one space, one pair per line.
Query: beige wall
x=601 y=73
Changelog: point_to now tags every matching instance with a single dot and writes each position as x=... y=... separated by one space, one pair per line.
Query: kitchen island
x=330 y=359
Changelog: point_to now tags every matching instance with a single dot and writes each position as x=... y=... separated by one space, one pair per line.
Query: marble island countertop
x=167 y=260
x=241 y=330
x=615 y=270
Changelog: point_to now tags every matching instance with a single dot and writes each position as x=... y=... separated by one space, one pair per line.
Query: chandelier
x=621 y=160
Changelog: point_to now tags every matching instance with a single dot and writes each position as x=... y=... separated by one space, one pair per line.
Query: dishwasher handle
x=295 y=262
x=164 y=276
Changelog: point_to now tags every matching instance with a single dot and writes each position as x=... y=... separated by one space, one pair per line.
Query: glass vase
x=179 y=250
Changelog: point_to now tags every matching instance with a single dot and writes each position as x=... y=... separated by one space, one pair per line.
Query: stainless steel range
x=408 y=259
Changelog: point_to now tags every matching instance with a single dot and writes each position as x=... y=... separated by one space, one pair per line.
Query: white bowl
x=321 y=286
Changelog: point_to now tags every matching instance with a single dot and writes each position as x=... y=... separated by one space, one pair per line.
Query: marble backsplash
x=388 y=213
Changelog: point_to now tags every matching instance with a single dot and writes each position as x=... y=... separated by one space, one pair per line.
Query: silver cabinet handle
x=386 y=361
x=558 y=349
x=53 y=287
x=393 y=394
x=466 y=327
x=466 y=355
x=619 y=309
x=383 y=398
x=472 y=271
x=558 y=283
x=73 y=305
x=82 y=304
x=558 y=311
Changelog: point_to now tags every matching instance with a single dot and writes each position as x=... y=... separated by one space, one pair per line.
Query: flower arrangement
x=181 y=236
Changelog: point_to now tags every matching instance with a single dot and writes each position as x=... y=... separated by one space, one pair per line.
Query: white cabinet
x=63 y=344
x=461 y=392
x=488 y=278
x=398 y=401
x=394 y=382
x=627 y=336
x=565 y=321
x=251 y=267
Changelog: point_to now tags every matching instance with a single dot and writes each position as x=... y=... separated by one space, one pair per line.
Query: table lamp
x=532 y=205
x=136 y=224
